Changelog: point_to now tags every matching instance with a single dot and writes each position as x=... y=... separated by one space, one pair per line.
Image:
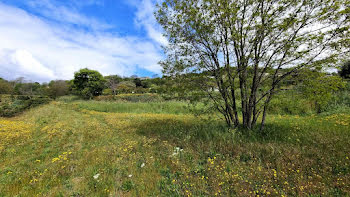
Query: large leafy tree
x=250 y=46
x=88 y=83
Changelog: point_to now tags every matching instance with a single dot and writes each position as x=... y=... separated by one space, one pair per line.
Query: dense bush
x=5 y=87
x=17 y=104
x=295 y=103
x=290 y=103
x=340 y=103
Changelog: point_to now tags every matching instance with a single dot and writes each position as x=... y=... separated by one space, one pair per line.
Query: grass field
x=88 y=148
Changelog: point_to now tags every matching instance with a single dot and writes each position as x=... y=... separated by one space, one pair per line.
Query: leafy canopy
x=248 y=47
x=88 y=83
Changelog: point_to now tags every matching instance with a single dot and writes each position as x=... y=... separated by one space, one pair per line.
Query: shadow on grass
x=213 y=135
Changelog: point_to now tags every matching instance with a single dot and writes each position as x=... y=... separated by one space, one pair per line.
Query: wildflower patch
x=13 y=132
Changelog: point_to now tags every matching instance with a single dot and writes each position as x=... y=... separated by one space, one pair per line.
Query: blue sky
x=43 y=40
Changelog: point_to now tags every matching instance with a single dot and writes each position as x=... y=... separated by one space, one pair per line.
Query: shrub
x=290 y=103
x=21 y=103
x=107 y=92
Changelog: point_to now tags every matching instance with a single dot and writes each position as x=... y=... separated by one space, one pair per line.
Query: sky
x=43 y=40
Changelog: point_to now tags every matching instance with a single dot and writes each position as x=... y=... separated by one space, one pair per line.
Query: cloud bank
x=51 y=47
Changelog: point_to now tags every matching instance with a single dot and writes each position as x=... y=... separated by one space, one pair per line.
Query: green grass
x=145 y=149
x=169 y=107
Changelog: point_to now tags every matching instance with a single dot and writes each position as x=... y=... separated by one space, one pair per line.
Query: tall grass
x=90 y=148
x=169 y=107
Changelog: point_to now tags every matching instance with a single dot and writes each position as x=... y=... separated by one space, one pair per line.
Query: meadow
x=98 y=148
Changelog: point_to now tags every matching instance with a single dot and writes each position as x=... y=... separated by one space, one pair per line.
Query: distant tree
x=58 y=88
x=126 y=87
x=5 y=87
x=247 y=45
x=28 y=88
x=112 y=82
x=138 y=82
x=133 y=76
x=88 y=83
x=145 y=83
x=345 y=71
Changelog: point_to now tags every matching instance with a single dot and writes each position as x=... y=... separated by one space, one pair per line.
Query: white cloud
x=145 y=18
x=21 y=63
x=61 y=13
x=35 y=48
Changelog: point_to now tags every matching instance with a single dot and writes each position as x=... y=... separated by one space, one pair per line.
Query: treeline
x=86 y=83
x=20 y=86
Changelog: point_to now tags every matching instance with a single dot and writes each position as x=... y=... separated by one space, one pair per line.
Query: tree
x=345 y=71
x=27 y=88
x=88 y=83
x=112 y=82
x=247 y=46
x=126 y=87
x=5 y=87
x=138 y=82
x=145 y=83
x=58 y=88
x=319 y=87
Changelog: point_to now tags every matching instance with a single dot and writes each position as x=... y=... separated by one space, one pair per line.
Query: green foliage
x=320 y=88
x=28 y=88
x=127 y=185
x=138 y=82
x=126 y=87
x=238 y=40
x=107 y=92
x=58 y=149
x=345 y=71
x=169 y=107
x=112 y=83
x=57 y=88
x=68 y=99
x=290 y=103
x=88 y=83
x=131 y=98
x=5 y=87
x=339 y=103
x=15 y=105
